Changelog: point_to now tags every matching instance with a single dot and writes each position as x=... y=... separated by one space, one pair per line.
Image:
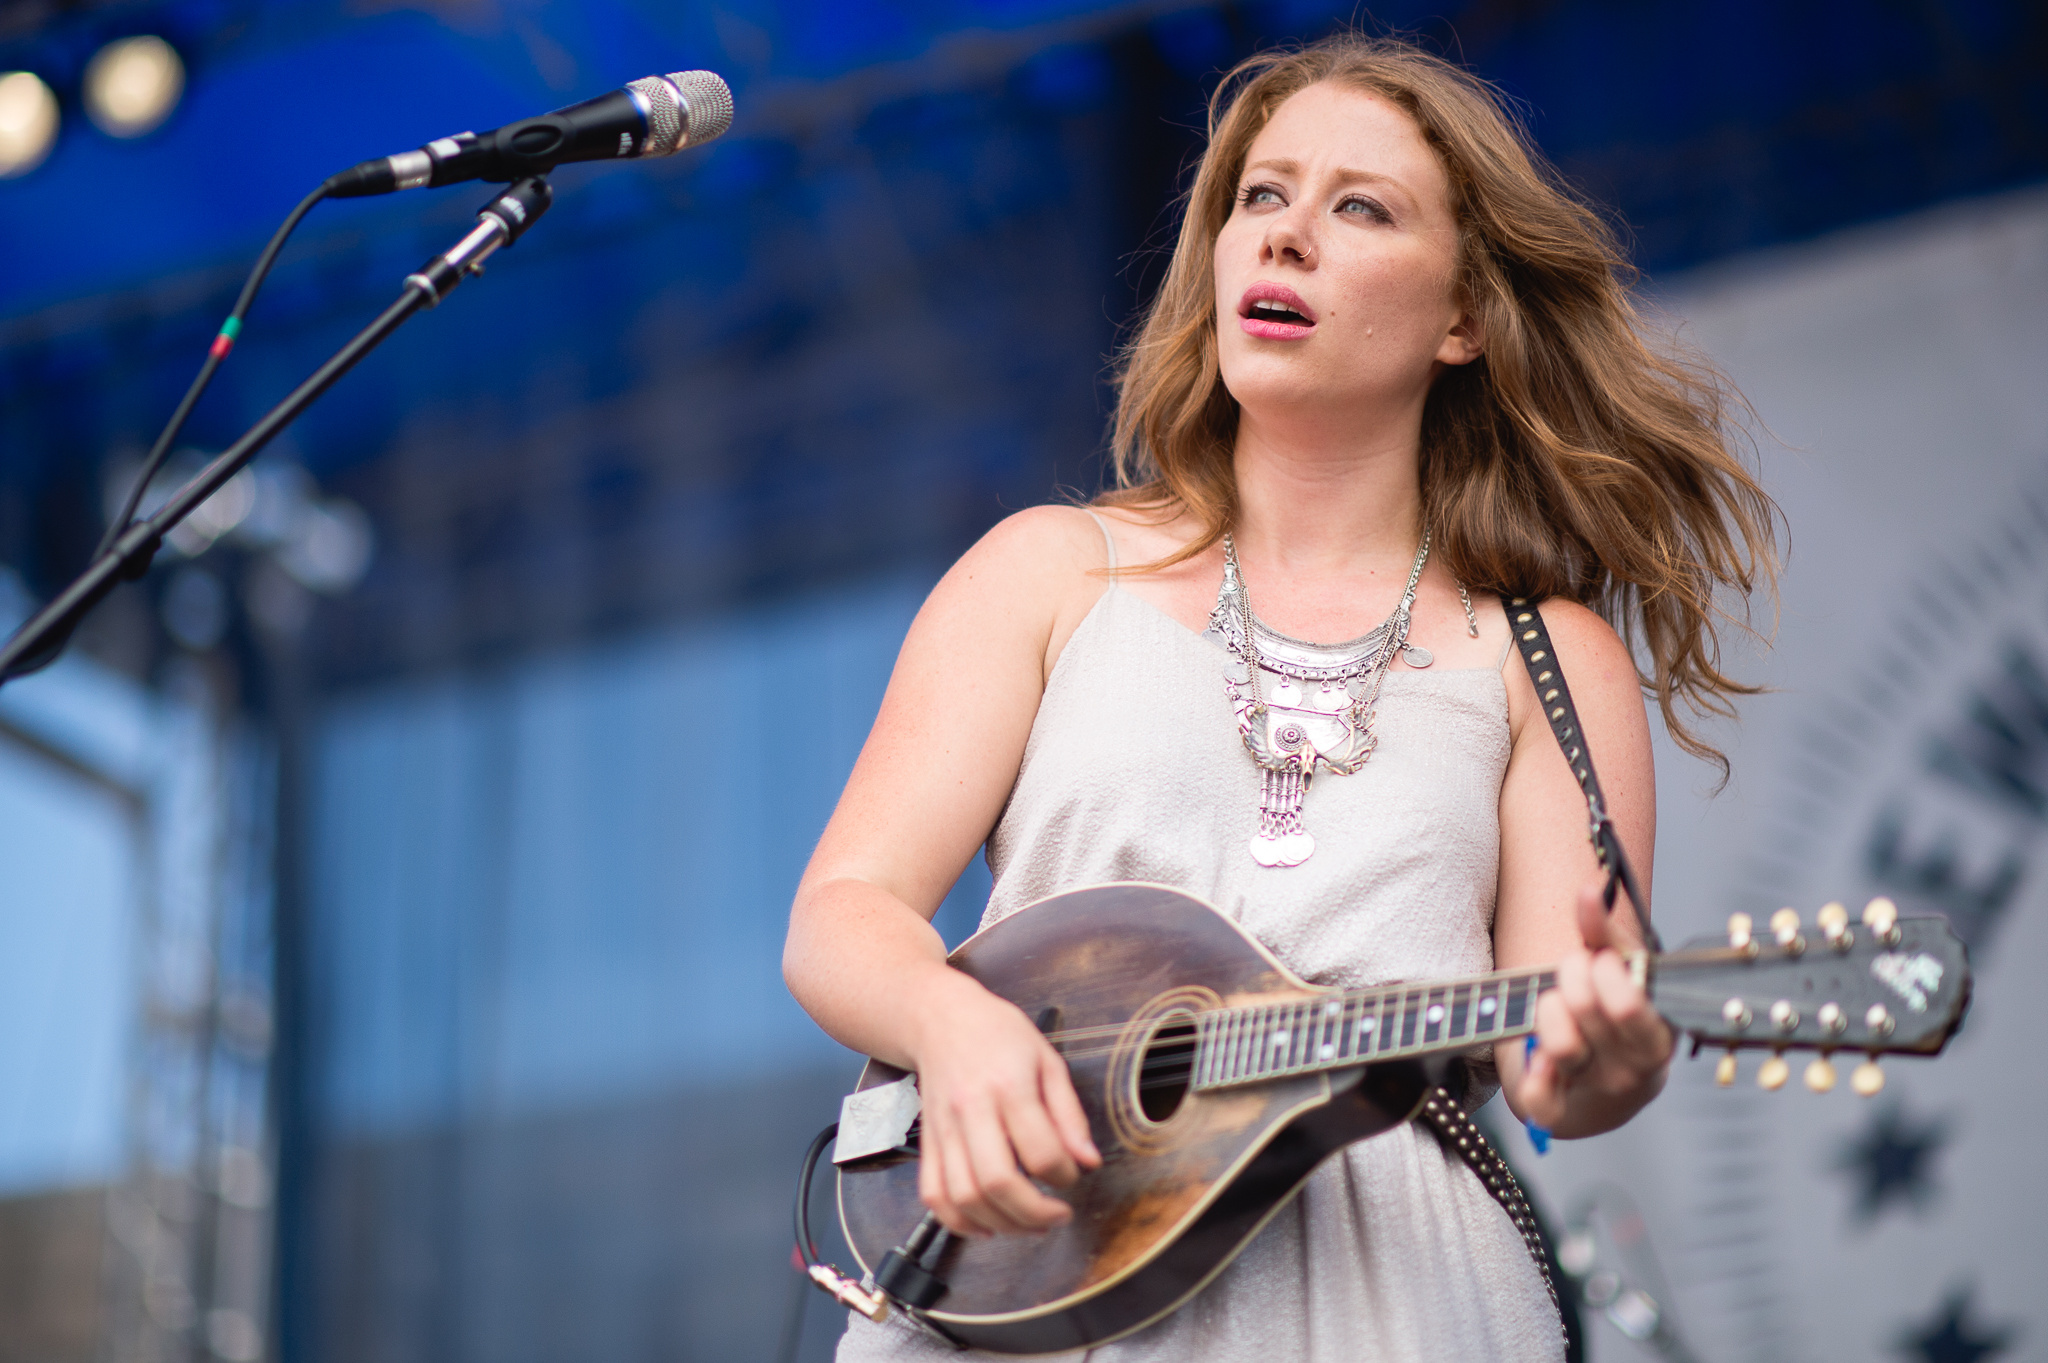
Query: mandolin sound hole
x=1168 y=1065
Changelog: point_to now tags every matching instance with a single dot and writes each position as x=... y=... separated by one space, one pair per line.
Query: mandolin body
x=1180 y=1191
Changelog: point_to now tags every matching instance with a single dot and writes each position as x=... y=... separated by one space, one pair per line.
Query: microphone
x=653 y=116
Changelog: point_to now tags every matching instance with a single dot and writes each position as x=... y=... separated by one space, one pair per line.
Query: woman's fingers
x=1000 y=1112
x=1567 y=1024
x=1056 y=1087
x=960 y=1205
x=1593 y=918
x=1595 y=1030
x=1543 y=1071
x=1560 y=1045
x=1598 y=1041
x=1008 y=1200
x=1642 y=1039
x=1036 y=1140
x=931 y=1179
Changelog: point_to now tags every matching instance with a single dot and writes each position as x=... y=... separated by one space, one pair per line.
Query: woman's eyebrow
x=1343 y=174
x=1349 y=176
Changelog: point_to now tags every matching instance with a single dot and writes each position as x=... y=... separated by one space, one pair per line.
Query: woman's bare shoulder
x=1584 y=638
x=1147 y=531
x=1601 y=671
x=1025 y=584
x=1038 y=547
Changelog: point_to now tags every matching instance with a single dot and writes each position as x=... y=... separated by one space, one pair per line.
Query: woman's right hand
x=999 y=1110
x=930 y=785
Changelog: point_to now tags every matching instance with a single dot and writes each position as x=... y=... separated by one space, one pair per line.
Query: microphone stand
x=500 y=223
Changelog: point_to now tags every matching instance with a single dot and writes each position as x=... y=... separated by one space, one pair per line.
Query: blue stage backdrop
x=630 y=527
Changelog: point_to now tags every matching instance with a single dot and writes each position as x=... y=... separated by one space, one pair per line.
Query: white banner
x=1901 y=373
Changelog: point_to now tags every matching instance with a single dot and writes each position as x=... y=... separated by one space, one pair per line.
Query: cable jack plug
x=849 y=1293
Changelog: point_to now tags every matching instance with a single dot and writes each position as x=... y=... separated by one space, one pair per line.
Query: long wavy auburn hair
x=1571 y=460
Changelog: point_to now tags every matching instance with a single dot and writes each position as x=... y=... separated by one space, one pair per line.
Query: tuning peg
x=1820 y=1075
x=1773 y=1073
x=1785 y=927
x=1724 y=1069
x=1868 y=1079
x=1831 y=1019
x=1736 y=1014
x=1784 y=1016
x=1878 y=1019
x=1834 y=925
x=1739 y=929
x=1881 y=916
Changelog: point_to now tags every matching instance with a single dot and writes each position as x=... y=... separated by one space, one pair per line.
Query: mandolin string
x=1392 y=994
x=1376 y=1003
x=1379 y=1002
x=1710 y=998
x=1671 y=991
x=1117 y=1029
x=1177 y=1064
x=1404 y=1052
x=1082 y=1052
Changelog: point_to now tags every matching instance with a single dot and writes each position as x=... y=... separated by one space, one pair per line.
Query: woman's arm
x=862 y=956
x=1602 y=1052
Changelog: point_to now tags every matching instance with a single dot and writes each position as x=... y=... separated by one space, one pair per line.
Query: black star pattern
x=1890 y=1161
x=1949 y=1340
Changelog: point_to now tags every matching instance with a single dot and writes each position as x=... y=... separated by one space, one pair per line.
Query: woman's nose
x=1289 y=238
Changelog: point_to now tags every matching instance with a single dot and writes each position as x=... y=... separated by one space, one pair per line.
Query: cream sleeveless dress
x=1134 y=771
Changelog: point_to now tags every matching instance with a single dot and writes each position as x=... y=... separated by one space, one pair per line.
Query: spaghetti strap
x=1109 y=542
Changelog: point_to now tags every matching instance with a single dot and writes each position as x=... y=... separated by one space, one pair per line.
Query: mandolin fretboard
x=1268 y=1041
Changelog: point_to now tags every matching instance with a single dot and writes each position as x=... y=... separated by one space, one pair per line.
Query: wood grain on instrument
x=1153 y=1223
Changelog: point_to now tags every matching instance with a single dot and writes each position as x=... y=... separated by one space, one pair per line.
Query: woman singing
x=1394 y=360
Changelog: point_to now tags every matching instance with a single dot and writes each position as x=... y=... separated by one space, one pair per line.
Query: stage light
x=28 y=123
x=132 y=85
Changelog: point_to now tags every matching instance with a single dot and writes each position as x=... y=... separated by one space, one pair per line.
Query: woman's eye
x=1259 y=194
x=1365 y=208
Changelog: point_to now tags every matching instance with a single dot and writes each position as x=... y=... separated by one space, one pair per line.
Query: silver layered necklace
x=1319 y=712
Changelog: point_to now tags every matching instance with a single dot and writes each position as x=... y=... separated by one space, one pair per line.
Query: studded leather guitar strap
x=1459 y=1135
x=1533 y=640
x=1441 y=1112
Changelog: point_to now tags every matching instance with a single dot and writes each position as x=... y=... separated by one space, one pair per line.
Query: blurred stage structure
x=395 y=878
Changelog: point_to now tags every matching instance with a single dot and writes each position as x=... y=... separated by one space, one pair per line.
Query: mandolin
x=1215 y=1080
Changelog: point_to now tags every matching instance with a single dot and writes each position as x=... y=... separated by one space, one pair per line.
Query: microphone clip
x=499 y=223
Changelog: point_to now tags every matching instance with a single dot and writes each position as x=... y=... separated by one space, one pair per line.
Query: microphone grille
x=707 y=105
x=664 y=117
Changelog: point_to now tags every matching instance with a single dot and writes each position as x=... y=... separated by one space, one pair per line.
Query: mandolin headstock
x=1880 y=985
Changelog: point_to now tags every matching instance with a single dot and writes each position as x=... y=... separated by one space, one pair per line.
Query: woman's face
x=1334 y=271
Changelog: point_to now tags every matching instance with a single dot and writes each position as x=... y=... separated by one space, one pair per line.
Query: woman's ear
x=1463 y=343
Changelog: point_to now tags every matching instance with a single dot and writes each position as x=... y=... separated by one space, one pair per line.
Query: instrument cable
x=806 y=1247
x=223 y=342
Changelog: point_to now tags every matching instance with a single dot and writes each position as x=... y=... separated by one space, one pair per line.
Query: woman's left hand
x=1601 y=1051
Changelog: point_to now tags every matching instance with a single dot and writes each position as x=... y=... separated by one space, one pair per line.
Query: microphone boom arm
x=39 y=641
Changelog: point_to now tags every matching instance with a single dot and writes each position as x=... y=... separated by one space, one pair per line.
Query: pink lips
x=1257 y=321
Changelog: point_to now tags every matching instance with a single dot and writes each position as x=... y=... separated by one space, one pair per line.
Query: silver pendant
x=1290 y=850
x=1415 y=655
x=1281 y=840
